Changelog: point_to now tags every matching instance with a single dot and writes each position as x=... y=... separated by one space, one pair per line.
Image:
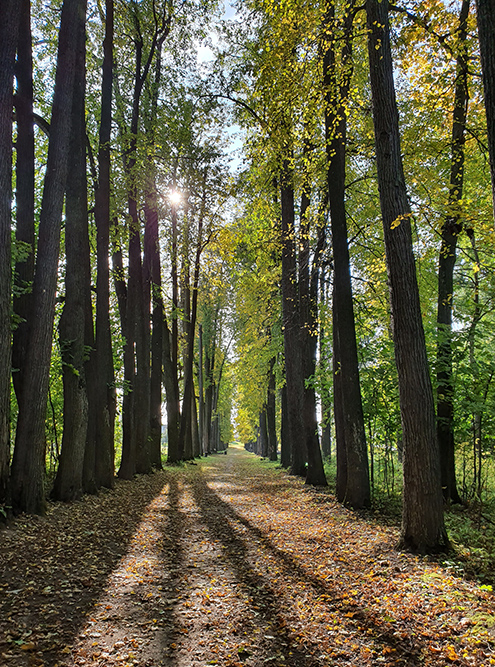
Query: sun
x=174 y=197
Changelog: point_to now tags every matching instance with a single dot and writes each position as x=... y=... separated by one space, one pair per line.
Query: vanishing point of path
x=228 y=562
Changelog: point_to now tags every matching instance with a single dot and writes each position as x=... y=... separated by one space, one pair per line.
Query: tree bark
x=9 y=27
x=355 y=489
x=24 y=270
x=172 y=396
x=28 y=463
x=68 y=481
x=284 y=430
x=308 y=332
x=291 y=327
x=101 y=470
x=153 y=278
x=271 y=413
x=451 y=228
x=486 y=33
x=338 y=412
x=325 y=400
x=423 y=527
x=262 y=445
x=189 y=401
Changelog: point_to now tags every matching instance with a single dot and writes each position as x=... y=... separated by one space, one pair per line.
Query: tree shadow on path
x=53 y=569
x=220 y=518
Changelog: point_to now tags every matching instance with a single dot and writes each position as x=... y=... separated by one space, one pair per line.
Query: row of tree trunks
x=136 y=298
x=28 y=461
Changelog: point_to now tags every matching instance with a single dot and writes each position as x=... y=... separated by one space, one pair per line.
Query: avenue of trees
x=326 y=287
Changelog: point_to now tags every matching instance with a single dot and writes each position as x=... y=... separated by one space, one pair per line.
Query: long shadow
x=217 y=512
x=172 y=557
x=261 y=594
x=53 y=569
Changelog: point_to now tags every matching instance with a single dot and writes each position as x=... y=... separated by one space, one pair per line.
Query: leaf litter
x=232 y=563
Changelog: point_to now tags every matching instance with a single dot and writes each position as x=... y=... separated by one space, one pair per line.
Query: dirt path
x=232 y=563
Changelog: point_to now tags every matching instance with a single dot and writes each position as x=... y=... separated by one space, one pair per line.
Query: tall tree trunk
x=135 y=409
x=209 y=357
x=172 y=396
x=28 y=463
x=284 y=429
x=291 y=327
x=171 y=368
x=308 y=327
x=68 y=481
x=201 y=401
x=486 y=33
x=357 y=487
x=451 y=228
x=325 y=400
x=271 y=413
x=262 y=446
x=24 y=270
x=128 y=439
x=338 y=412
x=101 y=469
x=153 y=278
x=189 y=401
x=9 y=27
x=423 y=527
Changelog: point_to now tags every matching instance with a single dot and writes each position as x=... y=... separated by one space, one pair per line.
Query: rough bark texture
x=338 y=413
x=24 y=270
x=284 y=430
x=101 y=463
x=423 y=527
x=189 y=402
x=153 y=278
x=28 y=462
x=486 y=33
x=291 y=327
x=172 y=395
x=308 y=332
x=451 y=228
x=68 y=481
x=355 y=491
x=9 y=26
x=262 y=442
x=271 y=413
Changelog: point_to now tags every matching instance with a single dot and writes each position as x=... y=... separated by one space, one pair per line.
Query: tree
x=25 y=228
x=9 y=27
x=451 y=228
x=99 y=459
x=352 y=458
x=28 y=461
x=486 y=33
x=68 y=485
x=136 y=315
x=422 y=518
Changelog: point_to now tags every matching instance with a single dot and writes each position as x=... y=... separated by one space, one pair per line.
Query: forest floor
x=228 y=562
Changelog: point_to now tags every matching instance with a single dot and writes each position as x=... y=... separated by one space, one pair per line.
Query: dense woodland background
x=275 y=224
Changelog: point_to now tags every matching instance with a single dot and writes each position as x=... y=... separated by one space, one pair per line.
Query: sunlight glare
x=175 y=197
